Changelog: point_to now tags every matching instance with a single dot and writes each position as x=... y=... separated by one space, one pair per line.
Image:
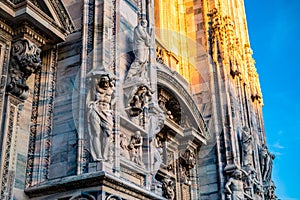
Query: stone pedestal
x=100 y=166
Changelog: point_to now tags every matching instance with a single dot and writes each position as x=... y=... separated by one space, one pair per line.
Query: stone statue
x=100 y=120
x=168 y=187
x=140 y=100
x=156 y=143
x=124 y=146
x=247 y=147
x=234 y=186
x=263 y=158
x=135 y=148
x=266 y=163
x=157 y=152
x=142 y=42
x=252 y=185
x=267 y=173
x=269 y=191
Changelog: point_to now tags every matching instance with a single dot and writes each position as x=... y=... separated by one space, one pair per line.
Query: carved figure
x=142 y=42
x=157 y=151
x=234 y=186
x=270 y=191
x=268 y=167
x=168 y=187
x=187 y=162
x=139 y=101
x=263 y=158
x=156 y=143
x=124 y=146
x=247 y=147
x=135 y=148
x=25 y=60
x=266 y=163
x=100 y=121
x=252 y=185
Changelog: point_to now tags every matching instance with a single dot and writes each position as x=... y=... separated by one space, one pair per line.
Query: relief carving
x=187 y=162
x=124 y=152
x=25 y=60
x=139 y=105
x=170 y=105
x=168 y=187
x=135 y=148
x=100 y=119
x=140 y=100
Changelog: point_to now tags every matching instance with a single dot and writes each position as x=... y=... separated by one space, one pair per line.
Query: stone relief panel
x=138 y=104
x=135 y=148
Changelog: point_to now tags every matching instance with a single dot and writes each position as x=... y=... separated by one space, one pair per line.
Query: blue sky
x=274 y=30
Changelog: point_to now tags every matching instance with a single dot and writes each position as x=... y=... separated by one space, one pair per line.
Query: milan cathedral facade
x=130 y=100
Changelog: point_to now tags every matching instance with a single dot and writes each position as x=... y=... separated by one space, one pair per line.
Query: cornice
x=5 y=28
x=55 y=26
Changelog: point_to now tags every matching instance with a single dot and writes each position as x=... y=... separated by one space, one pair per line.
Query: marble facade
x=130 y=99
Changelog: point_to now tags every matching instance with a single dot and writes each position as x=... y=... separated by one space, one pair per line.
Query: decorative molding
x=168 y=81
x=113 y=197
x=30 y=31
x=45 y=129
x=5 y=28
x=63 y=15
x=7 y=168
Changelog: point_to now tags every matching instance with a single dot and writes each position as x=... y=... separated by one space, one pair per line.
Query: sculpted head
x=144 y=23
x=104 y=82
x=237 y=174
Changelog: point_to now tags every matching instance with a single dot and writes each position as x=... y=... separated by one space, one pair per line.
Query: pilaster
x=13 y=106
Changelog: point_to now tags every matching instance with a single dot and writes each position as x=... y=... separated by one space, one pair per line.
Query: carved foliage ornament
x=25 y=60
x=168 y=187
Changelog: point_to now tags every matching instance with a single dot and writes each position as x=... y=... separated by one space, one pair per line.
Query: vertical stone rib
x=82 y=84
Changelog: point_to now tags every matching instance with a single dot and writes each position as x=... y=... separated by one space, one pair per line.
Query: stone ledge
x=101 y=179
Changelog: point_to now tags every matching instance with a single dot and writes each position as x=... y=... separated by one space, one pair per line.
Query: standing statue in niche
x=234 y=186
x=142 y=42
x=156 y=145
x=135 y=148
x=247 y=147
x=100 y=120
x=157 y=151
